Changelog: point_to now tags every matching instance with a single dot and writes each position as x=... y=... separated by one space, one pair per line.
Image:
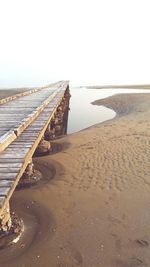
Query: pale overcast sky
x=85 y=41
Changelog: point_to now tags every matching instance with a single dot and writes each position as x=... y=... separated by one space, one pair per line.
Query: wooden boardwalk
x=23 y=122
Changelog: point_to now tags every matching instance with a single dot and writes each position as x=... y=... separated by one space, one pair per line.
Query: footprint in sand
x=76 y=256
x=142 y=243
x=139 y=243
x=132 y=262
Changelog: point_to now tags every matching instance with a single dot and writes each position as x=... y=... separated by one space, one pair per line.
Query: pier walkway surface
x=24 y=118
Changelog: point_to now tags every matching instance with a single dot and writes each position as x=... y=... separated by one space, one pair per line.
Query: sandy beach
x=91 y=208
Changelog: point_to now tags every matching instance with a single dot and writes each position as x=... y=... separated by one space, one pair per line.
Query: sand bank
x=92 y=208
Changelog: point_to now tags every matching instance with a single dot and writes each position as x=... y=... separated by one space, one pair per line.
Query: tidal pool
x=83 y=114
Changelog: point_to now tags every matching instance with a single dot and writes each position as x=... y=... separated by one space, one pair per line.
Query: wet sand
x=92 y=207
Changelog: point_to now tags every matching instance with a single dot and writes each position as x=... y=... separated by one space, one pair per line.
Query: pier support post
x=29 y=170
x=30 y=176
x=50 y=132
x=5 y=220
x=58 y=124
x=43 y=147
x=61 y=115
x=11 y=227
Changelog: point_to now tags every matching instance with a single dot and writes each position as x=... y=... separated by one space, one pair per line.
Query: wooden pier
x=26 y=120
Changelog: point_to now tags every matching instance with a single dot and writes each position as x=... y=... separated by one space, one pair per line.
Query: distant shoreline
x=140 y=86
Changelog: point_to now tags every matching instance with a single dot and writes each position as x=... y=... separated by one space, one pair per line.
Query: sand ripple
x=114 y=155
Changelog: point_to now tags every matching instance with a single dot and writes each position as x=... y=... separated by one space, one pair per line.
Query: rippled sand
x=92 y=207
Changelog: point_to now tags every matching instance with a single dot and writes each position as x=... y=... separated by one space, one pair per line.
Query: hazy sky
x=85 y=41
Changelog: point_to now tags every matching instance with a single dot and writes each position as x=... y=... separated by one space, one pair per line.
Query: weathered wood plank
x=5 y=183
x=4 y=191
x=10 y=156
x=8 y=176
x=2 y=199
x=9 y=170
x=6 y=139
x=10 y=164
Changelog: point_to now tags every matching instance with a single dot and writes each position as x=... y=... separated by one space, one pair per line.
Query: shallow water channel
x=83 y=114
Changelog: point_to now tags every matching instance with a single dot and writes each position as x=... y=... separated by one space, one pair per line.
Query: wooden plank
x=33 y=129
x=12 y=114
x=8 y=121
x=5 y=183
x=6 y=139
x=18 y=146
x=9 y=152
x=21 y=144
x=2 y=199
x=9 y=170
x=4 y=191
x=30 y=139
x=9 y=164
x=8 y=176
x=10 y=155
x=13 y=151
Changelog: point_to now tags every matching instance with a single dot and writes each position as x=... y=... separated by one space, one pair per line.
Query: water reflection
x=83 y=114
